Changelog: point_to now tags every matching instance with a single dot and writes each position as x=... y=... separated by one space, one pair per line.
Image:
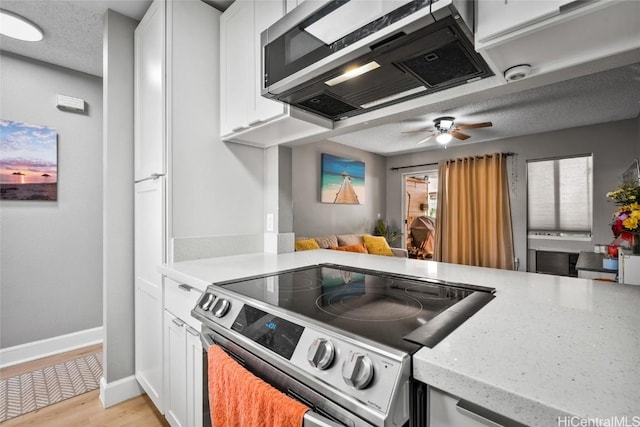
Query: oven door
x=322 y=412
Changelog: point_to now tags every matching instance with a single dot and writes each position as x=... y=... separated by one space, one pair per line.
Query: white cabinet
x=446 y=410
x=149 y=252
x=175 y=44
x=245 y=115
x=240 y=62
x=236 y=65
x=553 y=35
x=194 y=378
x=175 y=354
x=496 y=18
x=149 y=201
x=182 y=356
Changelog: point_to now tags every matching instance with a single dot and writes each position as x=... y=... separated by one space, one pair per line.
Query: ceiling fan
x=446 y=129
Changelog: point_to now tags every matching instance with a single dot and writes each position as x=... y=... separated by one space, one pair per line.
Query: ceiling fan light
x=18 y=27
x=443 y=138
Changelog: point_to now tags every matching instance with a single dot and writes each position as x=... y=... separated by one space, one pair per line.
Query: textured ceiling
x=72 y=29
x=596 y=98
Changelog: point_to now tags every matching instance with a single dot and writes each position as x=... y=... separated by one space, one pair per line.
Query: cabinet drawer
x=179 y=299
x=446 y=410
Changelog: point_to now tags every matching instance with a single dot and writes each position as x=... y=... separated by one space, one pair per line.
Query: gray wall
x=118 y=197
x=613 y=145
x=51 y=260
x=312 y=218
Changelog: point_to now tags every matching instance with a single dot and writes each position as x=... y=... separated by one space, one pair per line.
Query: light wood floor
x=86 y=409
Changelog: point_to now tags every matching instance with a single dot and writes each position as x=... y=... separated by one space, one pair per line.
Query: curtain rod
x=436 y=163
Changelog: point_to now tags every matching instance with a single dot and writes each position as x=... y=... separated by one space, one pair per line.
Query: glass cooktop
x=402 y=312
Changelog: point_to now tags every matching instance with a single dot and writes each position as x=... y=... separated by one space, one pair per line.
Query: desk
x=589 y=266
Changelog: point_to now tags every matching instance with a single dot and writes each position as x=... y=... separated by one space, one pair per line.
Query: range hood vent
x=419 y=53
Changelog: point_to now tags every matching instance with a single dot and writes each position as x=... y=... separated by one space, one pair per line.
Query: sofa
x=362 y=243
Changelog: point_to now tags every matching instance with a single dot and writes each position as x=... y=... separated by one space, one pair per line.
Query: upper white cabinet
x=554 y=35
x=496 y=18
x=241 y=64
x=149 y=89
x=245 y=115
x=236 y=66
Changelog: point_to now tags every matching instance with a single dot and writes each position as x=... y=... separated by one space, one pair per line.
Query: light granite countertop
x=546 y=346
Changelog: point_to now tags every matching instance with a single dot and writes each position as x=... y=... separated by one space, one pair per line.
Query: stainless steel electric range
x=339 y=339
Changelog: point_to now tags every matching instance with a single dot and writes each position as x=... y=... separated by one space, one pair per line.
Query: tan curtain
x=473 y=223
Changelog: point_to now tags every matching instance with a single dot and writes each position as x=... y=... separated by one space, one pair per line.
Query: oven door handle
x=207 y=341
x=313 y=419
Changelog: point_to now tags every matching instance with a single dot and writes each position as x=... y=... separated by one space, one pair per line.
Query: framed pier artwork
x=342 y=180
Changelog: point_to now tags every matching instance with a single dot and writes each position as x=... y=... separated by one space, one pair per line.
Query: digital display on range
x=272 y=332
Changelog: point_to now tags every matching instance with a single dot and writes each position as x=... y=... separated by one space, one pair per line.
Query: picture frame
x=28 y=162
x=342 y=180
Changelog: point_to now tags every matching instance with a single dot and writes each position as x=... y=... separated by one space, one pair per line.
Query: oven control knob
x=221 y=307
x=207 y=301
x=320 y=353
x=357 y=370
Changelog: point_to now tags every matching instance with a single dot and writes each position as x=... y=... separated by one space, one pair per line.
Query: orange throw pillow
x=359 y=248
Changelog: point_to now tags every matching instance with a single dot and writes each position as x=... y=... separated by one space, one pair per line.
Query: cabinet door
x=236 y=65
x=175 y=352
x=496 y=18
x=149 y=253
x=194 y=378
x=149 y=93
x=266 y=12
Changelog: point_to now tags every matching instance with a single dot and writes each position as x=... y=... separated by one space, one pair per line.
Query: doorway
x=420 y=207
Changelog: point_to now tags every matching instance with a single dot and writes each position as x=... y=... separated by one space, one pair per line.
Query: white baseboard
x=38 y=349
x=118 y=391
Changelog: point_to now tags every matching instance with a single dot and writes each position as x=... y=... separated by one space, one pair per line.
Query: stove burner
x=374 y=306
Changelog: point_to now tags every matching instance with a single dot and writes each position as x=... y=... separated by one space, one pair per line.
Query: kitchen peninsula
x=544 y=347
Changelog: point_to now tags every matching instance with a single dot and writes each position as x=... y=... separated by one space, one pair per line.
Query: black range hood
x=436 y=56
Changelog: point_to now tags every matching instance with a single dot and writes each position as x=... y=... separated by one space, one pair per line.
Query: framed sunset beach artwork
x=28 y=162
x=342 y=180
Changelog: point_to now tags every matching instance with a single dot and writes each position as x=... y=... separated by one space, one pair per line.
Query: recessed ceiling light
x=17 y=27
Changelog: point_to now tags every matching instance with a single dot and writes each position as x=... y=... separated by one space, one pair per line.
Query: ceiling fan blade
x=422 y=141
x=474 y=126
x=458 y=135
x=407 y=132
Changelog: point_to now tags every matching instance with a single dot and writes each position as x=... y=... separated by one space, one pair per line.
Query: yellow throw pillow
x=377 y=245
x=306 y=244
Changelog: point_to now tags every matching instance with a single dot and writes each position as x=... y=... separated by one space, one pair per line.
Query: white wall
x=51 y=259
x=613 y=145
x=313 y=218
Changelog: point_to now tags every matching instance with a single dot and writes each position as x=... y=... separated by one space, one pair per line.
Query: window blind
x=559 y=195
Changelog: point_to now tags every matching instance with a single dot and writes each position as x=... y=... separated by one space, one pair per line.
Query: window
x=559 y=196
